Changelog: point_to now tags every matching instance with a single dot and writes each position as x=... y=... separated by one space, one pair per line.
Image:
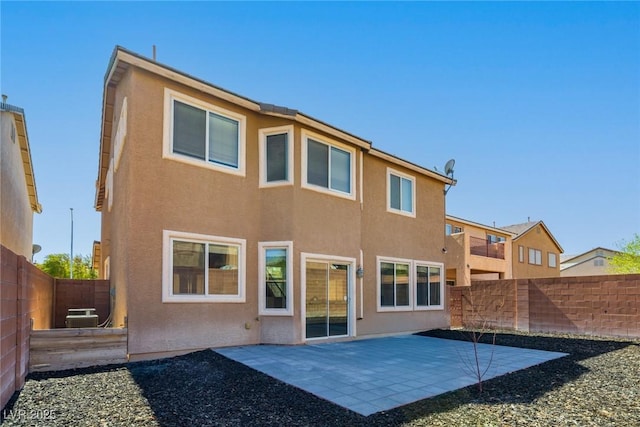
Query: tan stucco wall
x=16 y=223
x=152 y=194
x=463 y=266
x=536 y=238
x=587 y=268
x=391 y=235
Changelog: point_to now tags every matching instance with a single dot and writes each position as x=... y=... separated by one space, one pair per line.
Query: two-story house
x=226 y=221
x=18 y=194
x=594 y=262
x=536 y=252
x=476 y=251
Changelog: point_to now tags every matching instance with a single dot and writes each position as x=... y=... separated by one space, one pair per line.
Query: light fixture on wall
x=359 y=272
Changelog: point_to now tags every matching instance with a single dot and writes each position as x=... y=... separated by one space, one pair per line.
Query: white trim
x=121 y=134
x=361 y=183
x=555 y=260
x=262 y=309
x=106 y=273
x=167 y=267
x=429 y=264
x=361 y=286
x=351 y=307
x=306 y=135
x=402 y=176
x=108 y=190
x=380 y=307
x=167 y=147
x=262 y=138
x=537 y=256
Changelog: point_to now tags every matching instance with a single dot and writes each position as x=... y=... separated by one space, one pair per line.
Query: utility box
x=81 y=318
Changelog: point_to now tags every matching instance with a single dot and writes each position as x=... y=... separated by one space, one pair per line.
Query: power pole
x=71 y=258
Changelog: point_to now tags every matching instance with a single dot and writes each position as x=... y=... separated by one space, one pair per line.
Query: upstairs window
x=535 y=256
x=552 y=260
x=328 y=167
x=204 y=134
x=276 y=156
x=401 y=193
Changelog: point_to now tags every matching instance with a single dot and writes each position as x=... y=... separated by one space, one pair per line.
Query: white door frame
x=351 y=289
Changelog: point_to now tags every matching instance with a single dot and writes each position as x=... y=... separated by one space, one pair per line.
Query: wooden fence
x=80 y=294
x=57 y=349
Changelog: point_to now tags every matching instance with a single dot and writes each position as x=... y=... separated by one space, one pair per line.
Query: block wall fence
x=26 y=295
x=588 y=305
x=31 y=299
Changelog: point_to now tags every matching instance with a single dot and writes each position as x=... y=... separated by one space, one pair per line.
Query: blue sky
x=539 y=103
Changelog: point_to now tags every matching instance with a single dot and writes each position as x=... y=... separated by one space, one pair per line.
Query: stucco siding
x=536 y=238
x=155 y=193
x=16 y=226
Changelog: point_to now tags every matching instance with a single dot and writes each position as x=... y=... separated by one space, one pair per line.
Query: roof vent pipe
x=154 y=52
x=4 y=98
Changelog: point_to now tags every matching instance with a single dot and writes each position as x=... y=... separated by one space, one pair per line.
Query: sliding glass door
x=327 y=299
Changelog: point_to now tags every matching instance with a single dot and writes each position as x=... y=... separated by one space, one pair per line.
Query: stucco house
x=476 y=251
x=18 y=194
x=536 y=252
x=594 y=262
x=227 y=221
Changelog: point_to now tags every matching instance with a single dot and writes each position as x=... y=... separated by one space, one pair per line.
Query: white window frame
x=262 y=288
x=409 y=307
x=168 y=236
x=263 y=133
x=169 y=97
x=402 y=176
x=537 y=256
x=554 y=257
x=306 y=135
x=351 y=302
x=429 y=264
x=521 y=253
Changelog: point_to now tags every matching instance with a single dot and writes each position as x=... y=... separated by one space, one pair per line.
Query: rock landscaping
x=598 y=384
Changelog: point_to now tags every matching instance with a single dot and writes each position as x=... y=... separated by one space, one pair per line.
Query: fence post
x=22 y=311
x=455 y=307
x=522 y=305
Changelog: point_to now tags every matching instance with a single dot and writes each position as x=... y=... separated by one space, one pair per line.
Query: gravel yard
x=598 y=384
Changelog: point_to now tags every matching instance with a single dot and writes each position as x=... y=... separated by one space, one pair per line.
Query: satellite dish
x=36 y=248
x=448 y=168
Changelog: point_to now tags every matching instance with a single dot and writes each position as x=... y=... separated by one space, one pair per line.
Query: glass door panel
x=338 y=277
x=327 y=299
x=316 y=299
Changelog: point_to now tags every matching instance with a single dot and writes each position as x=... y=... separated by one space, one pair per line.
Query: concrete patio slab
x=373 y=375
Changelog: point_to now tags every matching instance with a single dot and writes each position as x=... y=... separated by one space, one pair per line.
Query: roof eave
x=25 y=152
x=123 y=56
x=477 y=224
x=412 y=166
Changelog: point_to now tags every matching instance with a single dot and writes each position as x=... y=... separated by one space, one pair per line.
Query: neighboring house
x=476 y=252
x=591 y=263
x=18 y=195
x=536 y=253
x=226 y=221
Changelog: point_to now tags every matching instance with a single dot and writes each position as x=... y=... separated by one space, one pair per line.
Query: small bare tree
x=478 y=326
